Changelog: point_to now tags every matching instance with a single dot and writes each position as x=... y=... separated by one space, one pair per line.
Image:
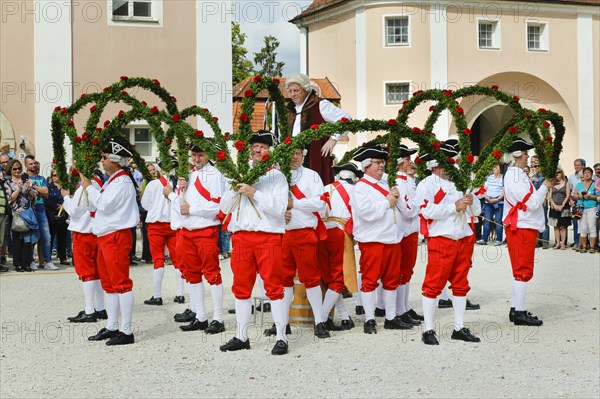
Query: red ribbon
x=321 y=228
x=512 y=217
x=204 y=192
x=346 y=199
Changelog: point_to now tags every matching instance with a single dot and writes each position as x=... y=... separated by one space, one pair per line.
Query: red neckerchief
x=113 y=177
x=512 y=216
x=321 y=228
x=346 y=199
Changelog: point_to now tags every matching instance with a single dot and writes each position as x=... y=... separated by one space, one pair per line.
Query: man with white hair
x=375 y=216
x=523 y=217
x=338 y=220
x=116 y=213
x=306 y=109
x=255 y=216
x=443 y=212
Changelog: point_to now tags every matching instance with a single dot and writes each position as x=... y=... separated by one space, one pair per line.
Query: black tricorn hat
x=115 y=148
x=405 y=151
x=350 y=167
x=370 y=151
x=520 y=145
x=264 y=137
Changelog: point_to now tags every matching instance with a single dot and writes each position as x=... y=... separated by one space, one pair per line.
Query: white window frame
x=544 y=37
x=496 y=33
x=153 y=145
x=385 y=32
x=395 y=82
x=155 y=20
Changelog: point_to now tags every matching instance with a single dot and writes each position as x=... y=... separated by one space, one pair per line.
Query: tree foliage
x=242 y=67
x=266 y=59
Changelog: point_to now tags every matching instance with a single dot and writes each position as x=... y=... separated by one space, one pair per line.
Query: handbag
x=18 y=224
x=566 y=213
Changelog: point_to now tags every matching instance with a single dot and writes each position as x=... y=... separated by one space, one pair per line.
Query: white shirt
x=116 y=206
x=372 y=214
x=270 y=199
x=204 y=209
x=153 y=201
x=408 y=221
x=329 y=112
x=310 y=184
x=516 y=186
x=338 y=206
x=79 y=209
x=436 y=198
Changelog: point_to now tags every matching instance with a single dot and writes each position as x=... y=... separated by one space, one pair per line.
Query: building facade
x=53 y=51
x=379 y=52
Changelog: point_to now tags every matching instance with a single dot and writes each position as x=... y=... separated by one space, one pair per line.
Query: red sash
x=346 y=199
x=402 y=177
x=321 y=228
x=204 y=192
x=424 y=223
x=512 y=217
x=113 y=177
x=100 y=183
x=163 y=181
x=377 y=187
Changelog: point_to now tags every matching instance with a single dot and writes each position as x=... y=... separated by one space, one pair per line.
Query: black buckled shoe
x=359 y=310
x=185 y=317
x=234 y=344
x=379 y=312
x=348 y=324
x=195 y=325
x=179 y=299
x=266 y=308
x=272 y=331
x=511 y=315
x=524 y=318
x=3 y=269
x=103 y=334
x=370 y=327
x=464 y=334
x=444 y=304
x=396 y=324
x=101 y=314
x=331 y=326
x=321 y=331
x=83 y=317
x=215 y=327
x=472 y=306
x=415 y=315
x=121 y=339
x=154 y=301
x=280 y=348
x=429 y=338
x=409 y=320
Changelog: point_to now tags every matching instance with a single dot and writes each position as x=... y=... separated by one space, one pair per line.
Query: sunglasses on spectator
x=16 y=169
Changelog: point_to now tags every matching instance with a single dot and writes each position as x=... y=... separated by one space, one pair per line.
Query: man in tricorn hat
x=523 y=217
x=443 y=213
x=116 y=213
x=255 y=215
x=373 y=211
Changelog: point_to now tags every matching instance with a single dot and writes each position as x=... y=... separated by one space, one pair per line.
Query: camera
x=584 y=192
x=24 y=177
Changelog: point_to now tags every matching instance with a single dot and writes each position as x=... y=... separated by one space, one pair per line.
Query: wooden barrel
x=349 y=264
x=300 y=310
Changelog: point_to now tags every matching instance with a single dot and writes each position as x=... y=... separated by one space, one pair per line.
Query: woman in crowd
x=493 y=206
x=586 y=196
x=21 y=197
x=560 y=212
x=57 y=219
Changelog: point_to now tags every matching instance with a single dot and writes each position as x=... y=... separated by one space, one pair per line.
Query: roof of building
x=321 y=5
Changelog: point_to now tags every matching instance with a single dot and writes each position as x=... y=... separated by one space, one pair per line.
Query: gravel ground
x=42 y=355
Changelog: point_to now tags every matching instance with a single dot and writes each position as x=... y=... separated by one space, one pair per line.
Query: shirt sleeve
x=331 y=113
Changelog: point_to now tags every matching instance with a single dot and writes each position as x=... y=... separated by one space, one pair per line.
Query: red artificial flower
x=314 y=127
x=221 y=156
x=85 y=136
x=547 y=124
x=276 y=80
x=265 y=158
x=156 y=82
x=459 y=110
x=98 y=130
x=404 y=102
x=542 y=110
x=57 y=108
x=215 y=119
x=257 y=78
x=144 y=103
x=288 y=140
x=432 y=133
x=154 y=110
x=513 y=129
x=77 y=139
x=199 y=133
x=204 y=109
x=71 y=123
x=516 y=98
x=528 y=115
x=106 y=89
x=168 y=141
x=452 y=160
x=54 y=160
x=124 y=78
x=467 y=131
x=92 y=108
x=194 y=106
x=121 y=114
x=106 y=123
x=344 y=120
x=174 y=99
x=497 y=154
x=470 y=158
x=416 y=93
x=240 y=145
x=176 y=118
x=124 y=93
x=431 y=108
x=392 y=122
x=549 y=139
x=88 y=156
x=495 y=87
x=436 y=145
x=418 y=160
x=75 y=172
x=94 y=142
x=83 y=95
x=64 y=111
x=244 y=118
x=447 y=93
x=248 y=93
